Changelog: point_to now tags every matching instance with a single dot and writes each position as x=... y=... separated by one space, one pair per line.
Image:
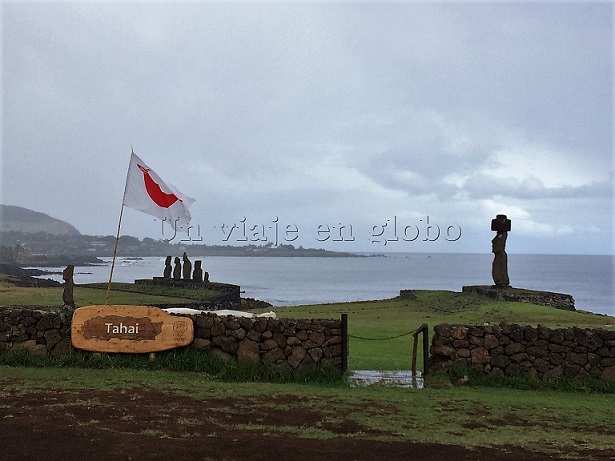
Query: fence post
x=425 y=349
x=344 y=343
x=414 y=349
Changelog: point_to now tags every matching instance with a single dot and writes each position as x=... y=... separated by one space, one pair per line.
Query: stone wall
x=38 y=331
x=507 y=350
x=288 y=343
x=522 y=295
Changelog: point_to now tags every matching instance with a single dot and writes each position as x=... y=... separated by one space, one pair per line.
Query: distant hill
x=15 y=218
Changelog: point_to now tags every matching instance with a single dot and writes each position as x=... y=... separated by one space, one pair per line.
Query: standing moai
x=499 y=268
x=167 y=268
x=177 y=270
x=67 y=295
x=187 y=267
x=197 y=275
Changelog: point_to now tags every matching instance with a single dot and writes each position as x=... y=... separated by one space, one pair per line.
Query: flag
x=147 y=192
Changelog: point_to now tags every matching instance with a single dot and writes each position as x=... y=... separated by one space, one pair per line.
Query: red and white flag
x=147 y=192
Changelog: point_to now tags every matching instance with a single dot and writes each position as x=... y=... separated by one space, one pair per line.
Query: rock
x=296 y=356
x=31 y=346
x=52 y=337
x=274 y=356
x=608 y=374
x=63 y=347
x=248 y=352
x=480 y=355
x=317 y=338
x=201 y=343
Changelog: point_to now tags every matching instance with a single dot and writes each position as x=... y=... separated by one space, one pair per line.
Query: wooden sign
x=129 y=329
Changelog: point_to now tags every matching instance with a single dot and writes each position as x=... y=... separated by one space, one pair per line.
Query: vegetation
x=568 y=418
x=44 y=249
x=51 y=297
x=379 y=330
x=544 y=421
x=186 y=360
x=372 y=323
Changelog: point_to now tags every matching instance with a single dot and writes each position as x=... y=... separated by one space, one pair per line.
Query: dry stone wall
x=37 y=331
x=507 y=350
x=289 y=343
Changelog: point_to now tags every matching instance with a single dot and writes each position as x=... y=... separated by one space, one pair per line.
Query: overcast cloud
x=319 y=114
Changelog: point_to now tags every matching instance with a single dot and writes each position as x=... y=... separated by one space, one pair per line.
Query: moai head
x=500 y=224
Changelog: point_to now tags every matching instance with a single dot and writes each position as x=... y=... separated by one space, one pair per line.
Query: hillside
x=14 y=218
x=30 y=238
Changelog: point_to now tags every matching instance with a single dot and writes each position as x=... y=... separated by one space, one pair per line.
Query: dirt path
x=146 y=424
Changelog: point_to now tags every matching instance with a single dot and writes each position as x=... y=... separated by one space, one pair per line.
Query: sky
x=355 y=126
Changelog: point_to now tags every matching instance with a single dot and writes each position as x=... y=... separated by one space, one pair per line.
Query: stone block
x=480 y=355
x=491 y=341
x=31 y=346
x=608 y=374
x=201 y=343
x=248 y=351
x=296 y=356
x=274 y=356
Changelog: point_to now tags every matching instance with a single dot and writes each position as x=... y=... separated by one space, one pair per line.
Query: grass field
x=578 y=424
x=379 y=330
x=371 y=322
x=121 y=293
x=553 y=423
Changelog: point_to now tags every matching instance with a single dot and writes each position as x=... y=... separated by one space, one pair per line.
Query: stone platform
x=229 y=295
x=192 y=284
x=542 y=298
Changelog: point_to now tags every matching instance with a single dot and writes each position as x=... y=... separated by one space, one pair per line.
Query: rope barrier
x=386 y=339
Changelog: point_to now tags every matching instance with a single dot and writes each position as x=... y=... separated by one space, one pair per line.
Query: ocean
x=291 y=281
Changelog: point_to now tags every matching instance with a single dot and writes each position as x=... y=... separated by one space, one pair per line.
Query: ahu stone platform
x=542 y=298
x=228 y=297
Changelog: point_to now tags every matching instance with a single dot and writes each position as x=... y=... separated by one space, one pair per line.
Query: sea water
x=286 y=281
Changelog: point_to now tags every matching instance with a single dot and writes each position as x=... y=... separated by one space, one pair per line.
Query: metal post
x=344 y=343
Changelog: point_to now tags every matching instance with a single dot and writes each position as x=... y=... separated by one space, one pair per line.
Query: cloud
x=312 y=112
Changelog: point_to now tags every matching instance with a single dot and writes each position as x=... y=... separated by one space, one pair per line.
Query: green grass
x=370 y=323
x=84 y=295
x=545 y=421
x=390 y=318
x=561 y=418
x=179 y=360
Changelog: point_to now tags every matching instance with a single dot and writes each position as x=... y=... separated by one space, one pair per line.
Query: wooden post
x=414 y=349
x=344 y=343
x=425 y=349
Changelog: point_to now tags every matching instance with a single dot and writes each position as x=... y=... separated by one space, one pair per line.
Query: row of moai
x=184 y=273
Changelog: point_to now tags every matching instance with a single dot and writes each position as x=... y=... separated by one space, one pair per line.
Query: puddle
x=391 y=378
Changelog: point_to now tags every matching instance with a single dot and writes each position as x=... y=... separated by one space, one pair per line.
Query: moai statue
x=206 y=279
x=197 y=275
x=177 y=270
x=167 y=268
x=187 y=267
x=499 y=269
x=67 y=295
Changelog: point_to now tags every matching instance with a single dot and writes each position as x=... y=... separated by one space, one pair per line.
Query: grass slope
x=371 y=323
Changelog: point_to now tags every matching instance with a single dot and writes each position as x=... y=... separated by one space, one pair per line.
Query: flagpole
x=117 y=237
